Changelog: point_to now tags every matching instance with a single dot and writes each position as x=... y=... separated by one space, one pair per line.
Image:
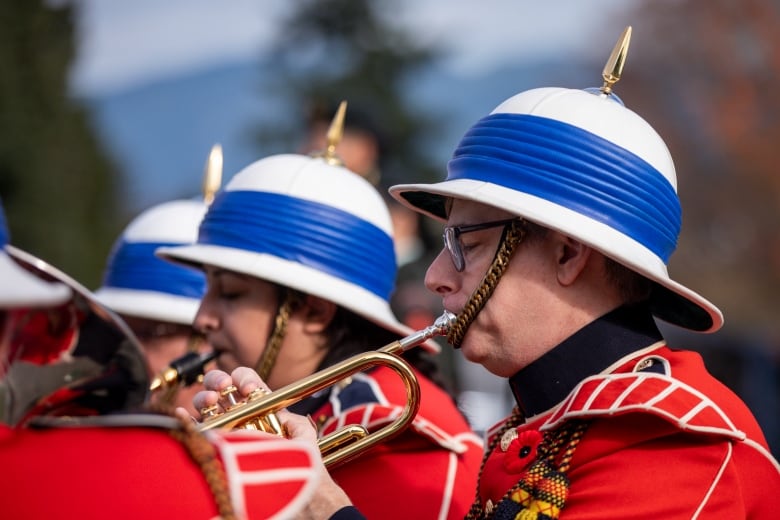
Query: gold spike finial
x=212 y=174
x=334 y=135
x=613 y=69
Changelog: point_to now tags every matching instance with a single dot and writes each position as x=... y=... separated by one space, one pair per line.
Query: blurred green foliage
x=353 y=50
x=56 y=182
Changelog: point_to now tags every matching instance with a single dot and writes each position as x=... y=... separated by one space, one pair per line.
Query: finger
x=183 y=414
x=298 y=426
x=216 y=380
x=247 y=380
x=205 y=399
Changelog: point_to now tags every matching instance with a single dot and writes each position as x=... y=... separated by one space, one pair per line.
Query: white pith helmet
x=20 y=287
x=581 y=163
x=300 y=222
x=137 y=283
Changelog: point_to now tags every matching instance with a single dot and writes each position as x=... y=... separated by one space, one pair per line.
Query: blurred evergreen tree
x=56 y=183
x=333 y=50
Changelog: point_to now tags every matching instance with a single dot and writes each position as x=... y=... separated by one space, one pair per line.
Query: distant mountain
x=160 y=134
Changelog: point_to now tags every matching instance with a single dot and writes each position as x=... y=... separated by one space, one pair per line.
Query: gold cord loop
x=268 y=358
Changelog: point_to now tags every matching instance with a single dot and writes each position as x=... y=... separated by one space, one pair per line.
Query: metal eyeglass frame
x=451 y=237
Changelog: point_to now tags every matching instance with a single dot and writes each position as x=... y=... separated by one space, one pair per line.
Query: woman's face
x=237 y=316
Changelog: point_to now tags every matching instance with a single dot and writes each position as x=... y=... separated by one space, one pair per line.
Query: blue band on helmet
x=316 y=235
x=132 y=265
x=576 y=169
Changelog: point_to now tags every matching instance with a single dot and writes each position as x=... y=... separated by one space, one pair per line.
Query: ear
x=572 y=258
x=317 y=313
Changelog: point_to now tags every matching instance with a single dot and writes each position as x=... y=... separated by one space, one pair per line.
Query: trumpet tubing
x=257 y=411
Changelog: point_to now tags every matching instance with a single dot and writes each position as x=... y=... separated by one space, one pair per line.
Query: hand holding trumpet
x=329 y=497
x=241 y=400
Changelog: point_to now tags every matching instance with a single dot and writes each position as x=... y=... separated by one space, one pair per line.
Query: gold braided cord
x=205 y=456
x=512 y=237
x=268 y=358
x=578 y=430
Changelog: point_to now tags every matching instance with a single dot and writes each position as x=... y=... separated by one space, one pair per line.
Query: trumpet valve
x=230 y=394
x=209 y=412
x=257 y=393
x=268 y=423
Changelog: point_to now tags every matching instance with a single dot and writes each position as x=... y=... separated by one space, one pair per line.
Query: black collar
x=549 y=379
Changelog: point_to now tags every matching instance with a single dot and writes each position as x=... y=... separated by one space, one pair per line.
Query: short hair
x=631 y=286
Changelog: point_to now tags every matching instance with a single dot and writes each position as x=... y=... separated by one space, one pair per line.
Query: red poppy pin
x=521 y=450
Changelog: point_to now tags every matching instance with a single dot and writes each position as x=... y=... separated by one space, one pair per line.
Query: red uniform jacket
x=428 y=472
x=142 y=472
x=670 y=444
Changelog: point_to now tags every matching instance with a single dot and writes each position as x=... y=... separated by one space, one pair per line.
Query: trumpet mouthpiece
x=185 y=370
x=440 y=327
x=444 y=322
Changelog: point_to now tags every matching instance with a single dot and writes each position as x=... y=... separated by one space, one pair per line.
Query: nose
x=439 y=277
x=206 y=319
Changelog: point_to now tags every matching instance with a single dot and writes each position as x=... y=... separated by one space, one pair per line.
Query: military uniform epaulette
x=644 y=392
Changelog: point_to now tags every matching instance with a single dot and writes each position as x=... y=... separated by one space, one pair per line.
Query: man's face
x=506 y=335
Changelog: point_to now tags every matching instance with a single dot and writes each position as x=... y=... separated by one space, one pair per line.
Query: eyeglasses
x=452 y=242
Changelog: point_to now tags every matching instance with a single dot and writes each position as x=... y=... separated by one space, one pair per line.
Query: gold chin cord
x=513 y=235
x=257 y=411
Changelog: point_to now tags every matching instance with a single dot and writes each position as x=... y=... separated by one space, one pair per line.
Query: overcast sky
x=122 y=43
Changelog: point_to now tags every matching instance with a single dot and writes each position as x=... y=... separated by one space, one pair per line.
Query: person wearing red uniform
x=561 y=212
x=300 y=266
x=75 y=439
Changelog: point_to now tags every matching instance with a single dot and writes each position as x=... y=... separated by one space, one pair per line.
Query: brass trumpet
x=257 y=411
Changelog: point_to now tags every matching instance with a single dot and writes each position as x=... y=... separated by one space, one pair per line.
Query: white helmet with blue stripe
x=303 y=223
x=579 y=162
x=20 y=288
x=137 y=283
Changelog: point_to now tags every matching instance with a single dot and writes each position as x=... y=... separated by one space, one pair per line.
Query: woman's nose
x=206 y=320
